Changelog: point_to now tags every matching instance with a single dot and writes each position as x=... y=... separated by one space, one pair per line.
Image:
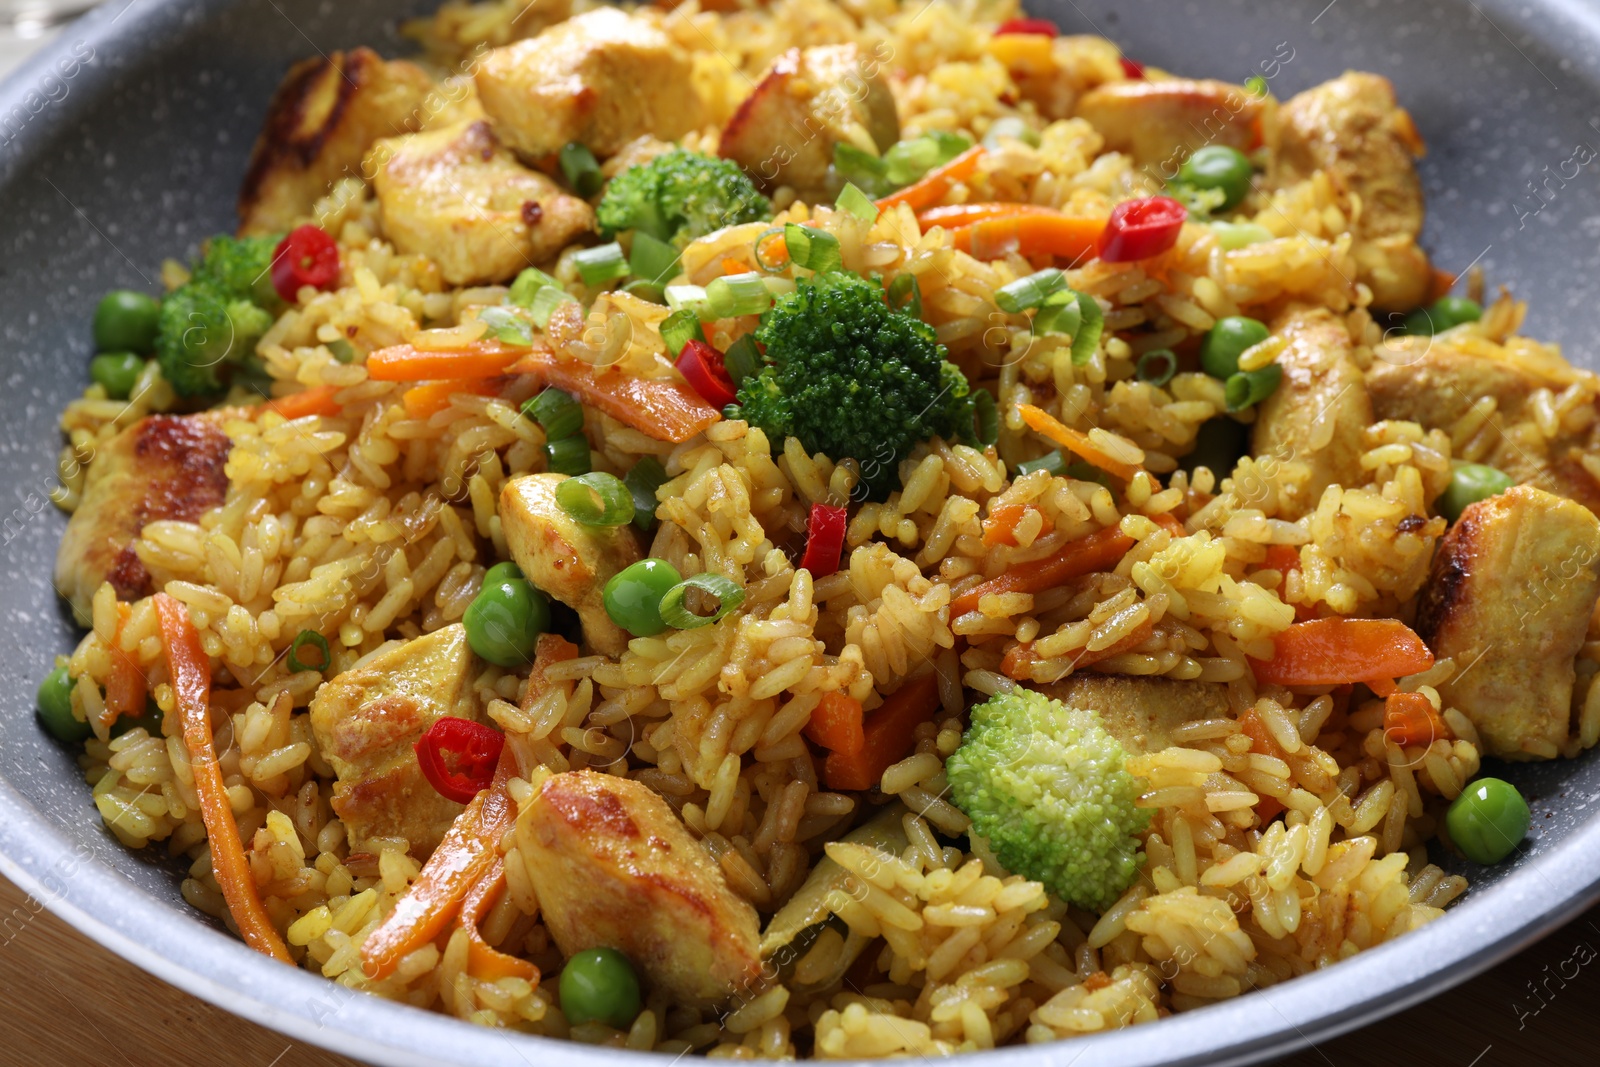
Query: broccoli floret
x=680 y=195
x=241 y=267
x=201 y=332
x=851 y=378
x=1046 y=786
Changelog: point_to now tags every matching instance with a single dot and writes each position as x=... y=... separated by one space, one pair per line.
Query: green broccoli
x=680 y=195
x=851 y=378
x=208 y=326
x=242 y=267
x=1045 y=785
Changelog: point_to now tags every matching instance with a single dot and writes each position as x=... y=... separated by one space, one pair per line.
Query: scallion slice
x=568 y=455
x=545 y=302
x=301 y=640
x=1232 y=235
x=860 y=166
x=692 y=297
x=1251 y=387
x=1030 y=292
x=582 y=170
x=987 y=415
x=905 y=294
x=1157 y=366
x=675 y=613
x=652 y=259
x=596 y=499
x=742 y=359
x=857 y=203
x=1061 y=314
x=341 y=350
x=602 y=264
x=1053 y=462
x=556 y=411
x=679 y=328
x=761 y=260
x=1010 y=126
x=813 y=249
x=528 y=285
x=738 y=294
x=642 y=481
x=507 y=326
x=1087 y=337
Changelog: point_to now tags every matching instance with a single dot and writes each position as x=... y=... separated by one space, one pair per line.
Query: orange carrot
x=890 y=732
x=430 y=398
x=1334 y=651
x=734 y=266
x=836 y=724
x=932 y=186
x=318 y=400
x=657 y=407
x=1262 y=742
x=190 y=669
x=1075 y=441
x=484 y=961
x=989 y=231
x=1440 y=284
x=1284 y=559
x=407 y=363
x=960 y=216
x=1000 y=528
x=1411 y=719
x=1381 y=686
x=773 y=250
x=1091 y=554
x=125 y=686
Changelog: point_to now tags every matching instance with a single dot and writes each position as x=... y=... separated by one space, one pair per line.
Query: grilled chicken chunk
x=568 y=560
x=1141 y=713
x=366 y=721
x=1162 y=123
x=1513 y=586
x=1321 y=385
x=614 y=867
x=808 y=101
x=602 y=78
x=1352 y=128
x=458 y=197
x=161 y=467
x=321 y=122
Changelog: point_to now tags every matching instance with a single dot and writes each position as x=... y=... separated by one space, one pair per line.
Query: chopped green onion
x=652 y=259
x=742 y=358
x=905 y=294
x=528 y=285
x=675 y=613
x=545 y=302
x=906 y=161
x=302 y=639
x=507 y=326
x=1061 y=314
x=596 y=499
x=556 y=411
x=1250 y=387
x=987 y=413
x=1053 y=462
x=679 y=328
x=738 y=294
x=569 y=455
x=1157 y=366
x=755 y=250
x=811 y=248
x=581 y=168
x=692 y=297
x=1087 y=338
x=1256 y=85
x=645 y=291
x=1231 y=235
x=642 y=481
x=857 y=203
x=1088 y=472
x=596 y=266
x=1010 y=126
x=1030 y=292
x=341 y=350
x=858 y=165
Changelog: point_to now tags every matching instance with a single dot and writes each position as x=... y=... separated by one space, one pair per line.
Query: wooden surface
x=70 y=1003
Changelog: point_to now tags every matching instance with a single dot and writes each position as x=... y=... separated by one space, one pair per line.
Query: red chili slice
x=1037 y=27
x=1139 y=229
x=702 y=367
x=1133 y=70
x=824 y=539
x=307 y=256
x=457 y=757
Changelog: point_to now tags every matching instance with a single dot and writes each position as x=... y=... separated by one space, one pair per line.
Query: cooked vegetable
x=318 y=400
x=815 y=250
x=1031 y=291
x=1226 y=341
x=824 y=539
x=54 y=700
x=556 y=413
x=1232 y=235
x=1077 y=442
x=1441 y=315
x=1217 y=166
x=568 y=455
x=125 y=320
x=596 y=499
x=679 y=196
x=597 y=266
x=1046 y=786
x=405 y=363
x=1140 y=229
x=1091 y=554
x=1411 y=719
x=1335 y=651
x=836 y=724
x=737 y=294
x=633 y=596
x=853 y=200
x=1488 y=820
x=598 y=985
x=1248 y=388
x=307 y=256
x=933 y=186
x=704 y=369
x=990 y=231
x=323 y=658
x=507 y=616
x=1156 y=366
x=656 y=407
x=889 y=732
x=580 y=168
x=208 y=326
x=484 y=960
x=901 y=163
x=1470 y=483
x=458 y=757
x=1040 y=27
x=676 y=613
x=117 y=372
x=642 y=481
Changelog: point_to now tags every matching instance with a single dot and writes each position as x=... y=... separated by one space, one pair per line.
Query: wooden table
x=70 y=1003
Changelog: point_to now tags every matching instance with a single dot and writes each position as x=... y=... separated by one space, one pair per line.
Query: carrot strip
x=960 y=216
x=407 y=363
x=1334 y=651
x=430 y=398
x=734 y=266
x=1075 y=441
x=318 y=400
x=1382 y=687
x=932 y=186
x=1000 y=528
x=773 y=250
x=1091 y=554
x=483 y=959
x=190 y=668
x=125 y=686
x=657 y=407
x=890 y=732
x=1411 y=719
x=836 y=724
x=992 y=230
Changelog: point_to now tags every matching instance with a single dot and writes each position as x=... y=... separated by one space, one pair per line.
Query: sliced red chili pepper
x=1139 y=229
x=702 y=367
x=1132 y=69
x=1037 y=27
x=824 y=539
x=307 y=256
x=457 y=757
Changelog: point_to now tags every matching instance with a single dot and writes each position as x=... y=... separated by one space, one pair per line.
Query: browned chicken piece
x=162 y=467
x=1353 y=128
x=366 y=721
x=613 y=867
x=460 y=198
x=1429 y=381
x=1514 y=583
x=1316 y=418
x=1162 y=123
x=568 y=560
x=808 y=101
x=321 y=122
x=1140 y=712
x=602 y=78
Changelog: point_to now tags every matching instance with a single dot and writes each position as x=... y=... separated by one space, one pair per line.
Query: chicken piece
x=321 y=122
x=1513 y=586
x=1352 y=128
x=1316 y=418
x=602 y=78
x=1431 y=382
x=1140 y=712
x=366 y=721
x=568 y=560
x=162 y=467
x=458 y=197
x=1162 y=123
x=613 y=867
x=808 y=101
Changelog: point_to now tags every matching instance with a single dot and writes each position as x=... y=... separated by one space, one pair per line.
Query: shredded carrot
x=1090 y=554
x=662 y=408
x=430 y=398
x=734 y=266
x=836 y=724
x=1075 y=441
x=1411 y=719
x=932 y=186
x=1262 y=742
x=773 y=250
x=318 y=400
x=1286 y=559
x=1334 y=651
x=992 y=230
x=190 y=669
x=484 y=961
x=890 y=732
x=960 y=216
x=1000 y=528
x=1381 y=686
x=407 y=363
x=125 y=686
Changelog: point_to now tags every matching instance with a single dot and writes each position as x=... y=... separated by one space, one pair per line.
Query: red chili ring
x=824 y=539
x=702 y=367
x=458 y=757
x=1133 y=70
x=307 y=256
x=1036 y=27
x=1139 y=229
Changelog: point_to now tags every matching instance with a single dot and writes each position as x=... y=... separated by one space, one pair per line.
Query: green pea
x=633 y=596
x=1218 y=167
x=1441 y=315
x=125 y=321
x=1470 y=483
x=118 y=372
x=1226 y=341
x=502 y=572
x=1488 y=820
x=505 y=619
x=55 y=708
x=598 y=985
